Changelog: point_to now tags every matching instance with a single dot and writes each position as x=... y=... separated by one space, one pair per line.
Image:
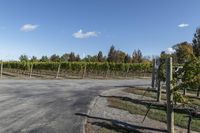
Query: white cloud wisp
x=29 y=27
x=183 y=25
x=82 y=35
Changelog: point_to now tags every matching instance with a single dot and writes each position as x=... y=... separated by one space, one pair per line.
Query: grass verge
x=156 y=113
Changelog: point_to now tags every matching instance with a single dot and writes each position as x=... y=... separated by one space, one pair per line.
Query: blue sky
x=45 y=27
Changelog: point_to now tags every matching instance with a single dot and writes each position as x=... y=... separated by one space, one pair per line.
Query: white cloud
x=183 y=25
x=81 y=35
x=29 y=27
x=169 y=51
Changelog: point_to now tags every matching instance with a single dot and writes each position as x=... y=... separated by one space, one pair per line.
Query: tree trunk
x=198 y=92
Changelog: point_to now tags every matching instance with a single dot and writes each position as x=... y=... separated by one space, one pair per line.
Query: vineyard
x=178 y=79
x=77 y=69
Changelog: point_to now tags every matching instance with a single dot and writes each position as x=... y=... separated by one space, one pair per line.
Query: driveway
x=48 y=106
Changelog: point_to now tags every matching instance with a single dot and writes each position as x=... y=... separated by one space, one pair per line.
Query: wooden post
x=107 y=72
x=159 y=91
x=31 y=71
x=58 y=71
x=184 y=91
x=127 y=71
x=153 y=74
x=170 y=112
x=84 y=71
x=1 y=69
x=189 y=123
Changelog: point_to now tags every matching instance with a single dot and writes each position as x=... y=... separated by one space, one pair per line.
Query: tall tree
x=127 y=59
x=100 y=56
x=183 y=52
x=72 y=57
x=196 y=42
x=34 y=59
x=78 y=57
x=55 y=58
x=111 y=54
x=137 y=56
x=44 y=59
x=65 y=57
x=23 y=58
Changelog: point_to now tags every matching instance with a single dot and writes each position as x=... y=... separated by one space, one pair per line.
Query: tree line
x=185 y=51
x=114 y=56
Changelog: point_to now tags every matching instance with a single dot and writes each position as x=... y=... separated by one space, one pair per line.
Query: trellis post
x=31 y=71
x=159 y=91
x=1 y=69
x=58 y=71
x=170 y=112
x=153 y=74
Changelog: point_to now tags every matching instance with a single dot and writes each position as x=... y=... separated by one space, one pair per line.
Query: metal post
x=170 y=112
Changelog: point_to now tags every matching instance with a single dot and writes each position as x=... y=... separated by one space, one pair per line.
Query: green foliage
x=79 y=66
x=196 y=42
x=23 y=58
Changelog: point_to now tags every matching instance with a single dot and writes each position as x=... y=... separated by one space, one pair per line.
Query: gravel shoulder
x=100 y=109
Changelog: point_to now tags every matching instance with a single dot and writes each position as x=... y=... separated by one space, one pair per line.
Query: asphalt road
x=48 y=106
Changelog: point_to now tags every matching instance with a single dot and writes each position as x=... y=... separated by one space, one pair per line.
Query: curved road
x=48 y=106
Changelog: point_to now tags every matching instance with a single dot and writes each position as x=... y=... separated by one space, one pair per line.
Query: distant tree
x=137 y=56
x=196 y=42
x=100 y=56
x=119 y=56
x=72 y=57
x=44 y=59
x=34 y=59
x=55 y=58
x=65 y=57
x=78 y=57
x=127 y=59
x=111 y=54
x=23 y=58
x=183 y=52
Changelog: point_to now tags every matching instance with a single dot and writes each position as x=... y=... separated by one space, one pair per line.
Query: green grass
x=152 y=93
x=155 y=113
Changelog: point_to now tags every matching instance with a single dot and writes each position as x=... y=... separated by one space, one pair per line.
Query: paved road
x=48 y=106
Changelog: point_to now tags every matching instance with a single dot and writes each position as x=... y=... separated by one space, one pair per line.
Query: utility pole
x=170 y=112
